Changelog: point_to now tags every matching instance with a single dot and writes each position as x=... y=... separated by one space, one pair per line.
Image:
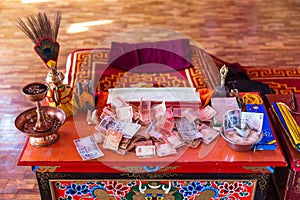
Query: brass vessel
x=40 y=124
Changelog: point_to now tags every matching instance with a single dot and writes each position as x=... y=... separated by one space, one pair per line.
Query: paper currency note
x=112 y=140
x=124 y=143
x=164 y=125
x=159 y=110
x=187 y=130
x=117 y=102
x=175 y=139
x=144 y=143
x=208 y=134
x=107 y=111
x=124 y=113
x=191 y=114
x=142 y=132
x=108 y=123
x=99 y=137
x=207 y=113
x=165 y=149
x=135 y=113
x=169 y=114
x=152 y=131
x=234 y=118
x=88 y=148
x=196 y=143
x=128 y=129
x=145 y=151
x=253 y=120
x=177 y=112
x=145 y=112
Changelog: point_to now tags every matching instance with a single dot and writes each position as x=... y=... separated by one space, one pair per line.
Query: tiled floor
x=256 y=33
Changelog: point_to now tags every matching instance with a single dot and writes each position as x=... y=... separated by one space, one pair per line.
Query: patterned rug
x=83 y=63
x=280 y=80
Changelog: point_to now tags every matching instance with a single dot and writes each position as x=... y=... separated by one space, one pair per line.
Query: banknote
x=124 y=113
x=88 y=148
x=151 y=130
x=165 y=149
x=169 y=114
x=99 y=137
x=145 y=151
x=142 y=132
x=159 y=110
x=187 y=130
x=117 y=102
x=124 y=143
x=144 y=143
x=127 y=129
x=135 y=113
x=112 y=140
x=207 y=113
x=191 y=114
x=107 y=111
x=164 y=125
x=175 y=139
x=177 y=112
x=196 y=143
x=106 y=123
x=145 y=112
x=234 y=118
x=253 y=120
x=208 y=133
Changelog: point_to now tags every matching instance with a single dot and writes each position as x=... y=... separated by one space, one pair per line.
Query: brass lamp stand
x=40 y=124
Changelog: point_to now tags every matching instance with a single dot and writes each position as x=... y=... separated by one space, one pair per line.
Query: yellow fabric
x=70 y=108
x=252 y=99
x=62 y=97
x=291 y=123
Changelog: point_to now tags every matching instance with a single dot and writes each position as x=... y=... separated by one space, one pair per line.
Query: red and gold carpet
x=83 y=63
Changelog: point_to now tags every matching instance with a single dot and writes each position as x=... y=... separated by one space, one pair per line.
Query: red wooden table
x=223 y=172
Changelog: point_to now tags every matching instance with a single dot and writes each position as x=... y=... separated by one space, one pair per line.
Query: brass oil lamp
x=40 y=124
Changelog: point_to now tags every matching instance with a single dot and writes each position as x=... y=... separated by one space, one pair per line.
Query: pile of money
x=151 y=128
x=243 y=127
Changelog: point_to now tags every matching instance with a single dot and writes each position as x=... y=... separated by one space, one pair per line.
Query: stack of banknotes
x=150 y=128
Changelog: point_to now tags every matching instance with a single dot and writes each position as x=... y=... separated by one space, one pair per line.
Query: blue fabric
x=268 y=141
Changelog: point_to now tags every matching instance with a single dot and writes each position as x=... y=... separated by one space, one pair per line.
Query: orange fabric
x=205 y=96
x=101 y=101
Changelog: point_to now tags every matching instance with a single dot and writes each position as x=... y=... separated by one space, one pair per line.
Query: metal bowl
x=237 y=146
x=35 y=91
x=27 y=120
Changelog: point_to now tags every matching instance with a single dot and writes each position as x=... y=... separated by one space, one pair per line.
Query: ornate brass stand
x=40 y=124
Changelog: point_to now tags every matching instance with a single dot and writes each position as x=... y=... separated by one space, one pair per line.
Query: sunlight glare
x=35 y=1
x=83 y=26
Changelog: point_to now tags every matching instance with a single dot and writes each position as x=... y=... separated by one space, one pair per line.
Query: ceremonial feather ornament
x=43 y=34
